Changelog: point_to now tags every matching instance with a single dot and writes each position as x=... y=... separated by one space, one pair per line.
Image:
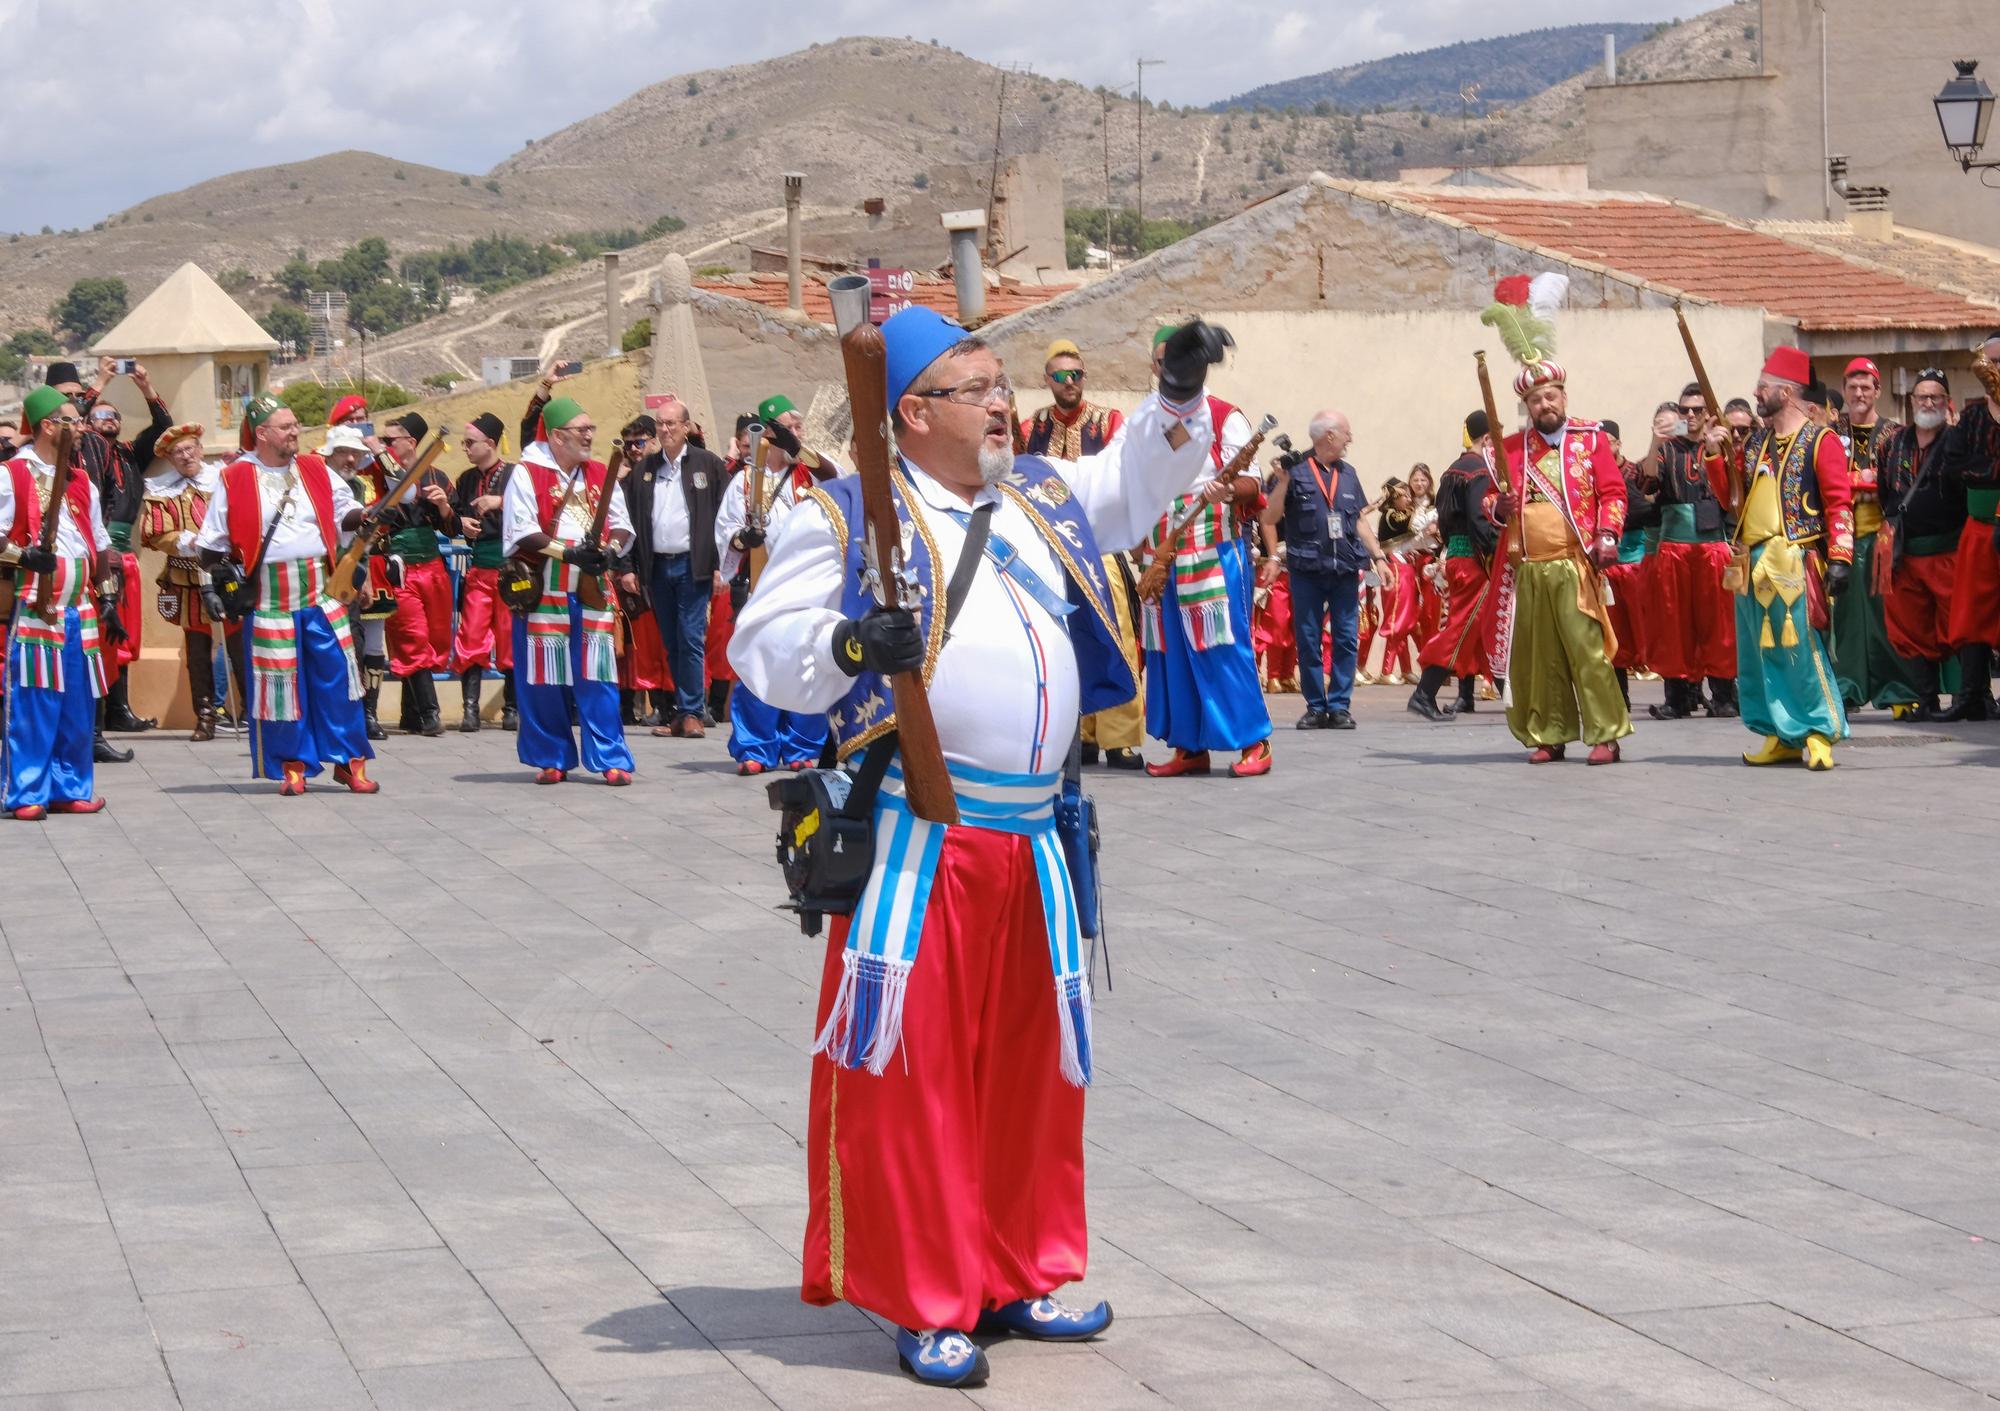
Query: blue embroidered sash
x=865 y=1024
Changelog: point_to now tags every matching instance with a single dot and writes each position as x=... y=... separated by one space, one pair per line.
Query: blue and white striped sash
x=865 y=1025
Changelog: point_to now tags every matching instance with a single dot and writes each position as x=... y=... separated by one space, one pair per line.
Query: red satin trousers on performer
x=1460 y=645
x=1975 y=587
x=1691 y=626
x=953 y=1182
x=485 y=630
x=419 y=630
x=1918 y=608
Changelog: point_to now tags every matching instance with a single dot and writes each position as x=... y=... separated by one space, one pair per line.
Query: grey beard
x=996 y=463
x=1929 y=420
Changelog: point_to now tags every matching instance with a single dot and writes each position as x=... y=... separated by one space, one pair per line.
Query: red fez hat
x=346 y=407
x=1862 y=365
x=1790 y=364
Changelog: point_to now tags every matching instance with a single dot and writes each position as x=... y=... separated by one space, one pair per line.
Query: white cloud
x=190 y=89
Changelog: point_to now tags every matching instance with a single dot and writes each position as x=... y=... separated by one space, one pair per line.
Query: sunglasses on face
x=1067 y=375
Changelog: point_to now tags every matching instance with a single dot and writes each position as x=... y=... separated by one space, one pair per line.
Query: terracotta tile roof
x=1710 y=258
x=940 y=294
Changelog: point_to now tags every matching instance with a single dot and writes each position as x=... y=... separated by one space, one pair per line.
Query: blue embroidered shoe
x=1046 y=1320
x=941 y=1357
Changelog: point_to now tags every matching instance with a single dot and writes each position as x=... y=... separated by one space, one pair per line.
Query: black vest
x=1308 y=543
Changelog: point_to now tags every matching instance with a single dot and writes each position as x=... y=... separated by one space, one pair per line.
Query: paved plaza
x=1429 y=1081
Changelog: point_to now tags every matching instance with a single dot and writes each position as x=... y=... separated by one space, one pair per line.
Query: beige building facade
x=1755 y=145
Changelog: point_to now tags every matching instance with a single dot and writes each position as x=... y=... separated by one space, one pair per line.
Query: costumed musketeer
x=945 y=1146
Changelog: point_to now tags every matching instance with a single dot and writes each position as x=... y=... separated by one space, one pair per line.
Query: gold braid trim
x=1076 y=573
x=836 y=1214
x=933 y=619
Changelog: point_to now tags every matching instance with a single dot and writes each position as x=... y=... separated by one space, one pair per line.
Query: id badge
x=1336 y=525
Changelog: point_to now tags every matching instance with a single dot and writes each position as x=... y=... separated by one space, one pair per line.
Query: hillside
x=1507 y=69
x=711 y=147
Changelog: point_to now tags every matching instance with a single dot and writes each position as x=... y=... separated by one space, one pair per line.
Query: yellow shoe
x=1776 y=751
x=1818 y=752
x=1903 y=711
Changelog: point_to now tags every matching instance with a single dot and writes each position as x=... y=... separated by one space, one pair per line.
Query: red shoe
x=749 y=767
x=1256 y=761
x=1181 y=763
x=1606 y=753
x=796 y=765
x=550 y=776
x=1545 y=754
x=294 y=782
x=354 y=774
x=617 y=778
x=31 y=813
x=78 y=806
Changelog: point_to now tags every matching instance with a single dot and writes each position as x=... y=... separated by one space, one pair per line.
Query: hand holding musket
x=926 y=780
x=348 y=573
x=755 y=450
x=1986 y=372
x=1153 y=582
x=1708 y=396
x=45 y=581
x=595 y=589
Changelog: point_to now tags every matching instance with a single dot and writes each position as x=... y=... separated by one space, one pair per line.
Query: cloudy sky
x=108 y=103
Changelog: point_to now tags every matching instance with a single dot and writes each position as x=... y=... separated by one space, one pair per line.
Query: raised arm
x=782 y=647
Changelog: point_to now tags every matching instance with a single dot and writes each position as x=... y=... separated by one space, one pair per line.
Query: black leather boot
x=1722 y=697
x=1424 y=700
x=118 y=717
x=469 y=683
x=420 y=686
x=1974 y=700
x=718 y=702
x=1466 y=703
x=510 y=714
x=1676 y=706
x=101 y=749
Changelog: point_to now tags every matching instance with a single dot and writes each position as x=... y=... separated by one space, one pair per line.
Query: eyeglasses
x=636 y=440
x=1694 y=411
x=470 y=441
x=65 y=420
x=1066 y=375
x=975 y=392
x=586 y=430
x=394 y=436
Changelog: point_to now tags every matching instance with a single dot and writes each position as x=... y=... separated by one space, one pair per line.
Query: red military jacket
x=1590 y=486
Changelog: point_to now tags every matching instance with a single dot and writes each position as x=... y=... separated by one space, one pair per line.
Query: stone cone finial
x=677 y=365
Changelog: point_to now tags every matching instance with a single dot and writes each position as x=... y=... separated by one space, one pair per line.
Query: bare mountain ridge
x=1508 y=69
x=861 y=117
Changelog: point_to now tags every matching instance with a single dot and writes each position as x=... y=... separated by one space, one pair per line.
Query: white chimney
x=614 y=307
x=967 y=272
x=795 y=183
x=1611 y=58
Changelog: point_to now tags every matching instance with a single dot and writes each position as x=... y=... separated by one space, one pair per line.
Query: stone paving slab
x=1428 y=1082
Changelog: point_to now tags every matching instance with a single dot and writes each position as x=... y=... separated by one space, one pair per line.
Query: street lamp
x=1965 y=111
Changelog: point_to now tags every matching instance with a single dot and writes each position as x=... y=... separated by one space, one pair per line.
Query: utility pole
x=1140 y=246
x=1107 y=182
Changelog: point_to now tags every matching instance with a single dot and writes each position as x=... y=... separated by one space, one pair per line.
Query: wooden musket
x=926 y=781
x=45 y=583
x=346 y=584
x=1735 y=462
x=1153 y=582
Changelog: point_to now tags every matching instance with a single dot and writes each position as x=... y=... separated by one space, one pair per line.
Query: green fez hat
x=771 y=408
x=261 y=409
x=41 y=404
x=1164 y=332
x=561 y=412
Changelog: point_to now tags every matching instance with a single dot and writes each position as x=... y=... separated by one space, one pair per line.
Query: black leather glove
x=583 y=556
x=211 y=605
x=1837 y=575
x=748 y=538
x=36 y=559
x=783 y=437
x=1187 y=356
x=885 y=641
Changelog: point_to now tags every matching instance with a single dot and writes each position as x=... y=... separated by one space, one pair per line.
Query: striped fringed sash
x=548 y=632
x=284 y=590
x=865 y=1025
x=1200 y=589
x=38 y=640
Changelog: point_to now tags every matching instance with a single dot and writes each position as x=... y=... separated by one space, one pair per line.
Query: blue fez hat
x=913 y=340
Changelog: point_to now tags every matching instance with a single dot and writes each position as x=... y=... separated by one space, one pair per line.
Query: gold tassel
x=1767 y=641
x=1790 y=637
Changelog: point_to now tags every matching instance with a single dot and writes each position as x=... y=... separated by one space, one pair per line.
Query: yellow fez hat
x=1062 y=348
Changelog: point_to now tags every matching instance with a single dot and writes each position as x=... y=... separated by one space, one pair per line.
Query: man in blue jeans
x=672 y=494
x=1328 y=542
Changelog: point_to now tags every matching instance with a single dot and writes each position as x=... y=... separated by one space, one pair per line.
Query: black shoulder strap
x=977 y=530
